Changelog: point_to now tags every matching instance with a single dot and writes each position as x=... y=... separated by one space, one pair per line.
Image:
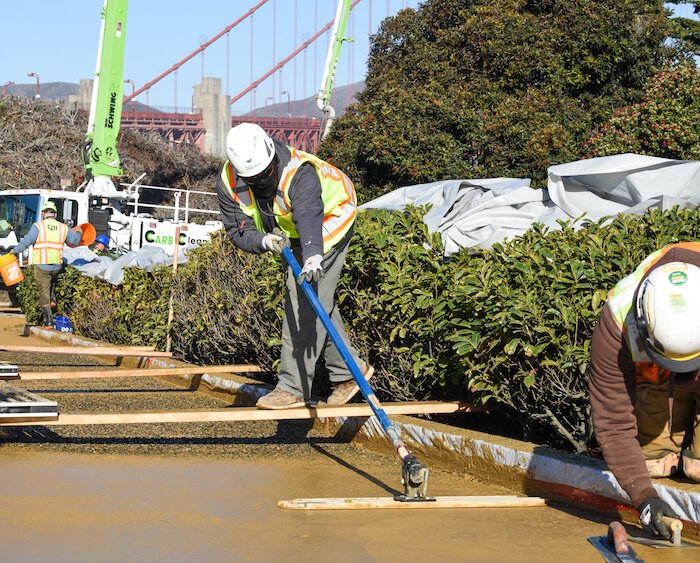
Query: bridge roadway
x=188 y=128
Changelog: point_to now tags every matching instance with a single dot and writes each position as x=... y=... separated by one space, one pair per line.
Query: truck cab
x=20 y=209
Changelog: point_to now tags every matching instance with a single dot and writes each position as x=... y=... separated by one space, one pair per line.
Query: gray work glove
x=312 y=270
x=650 y=513
x=275 y=242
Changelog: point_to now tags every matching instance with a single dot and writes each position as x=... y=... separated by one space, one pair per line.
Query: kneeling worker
x=49 y=237
x=271 y=194
x=644 y=381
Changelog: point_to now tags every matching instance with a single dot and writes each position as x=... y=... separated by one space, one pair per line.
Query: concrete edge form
x=534 y=470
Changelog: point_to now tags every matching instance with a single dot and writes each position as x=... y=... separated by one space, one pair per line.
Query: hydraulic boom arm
x=100 y=151
x=323 y=98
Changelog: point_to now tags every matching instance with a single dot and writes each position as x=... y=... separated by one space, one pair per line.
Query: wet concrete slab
x=81 y=507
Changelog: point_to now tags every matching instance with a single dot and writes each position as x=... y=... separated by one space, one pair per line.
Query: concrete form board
x=536 y=470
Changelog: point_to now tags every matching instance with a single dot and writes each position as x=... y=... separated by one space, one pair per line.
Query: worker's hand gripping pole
x=414 y=475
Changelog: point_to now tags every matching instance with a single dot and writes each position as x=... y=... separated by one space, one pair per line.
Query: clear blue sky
x=57 y=39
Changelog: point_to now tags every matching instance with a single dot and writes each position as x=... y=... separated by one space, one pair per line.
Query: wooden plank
x=389 y=503
x=252 y=413
x=119 y=373
x=85 y=350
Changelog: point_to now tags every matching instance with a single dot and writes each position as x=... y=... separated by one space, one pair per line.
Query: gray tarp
x=478 y=213
x=112 y=270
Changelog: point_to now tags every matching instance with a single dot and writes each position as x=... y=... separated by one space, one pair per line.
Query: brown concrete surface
x=209 y=492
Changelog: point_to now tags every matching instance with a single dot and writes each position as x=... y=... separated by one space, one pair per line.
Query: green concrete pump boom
x=100 y=151
x=323 y=98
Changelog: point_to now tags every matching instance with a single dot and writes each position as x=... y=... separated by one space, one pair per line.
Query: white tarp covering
x=478 y=213
x=112 y=269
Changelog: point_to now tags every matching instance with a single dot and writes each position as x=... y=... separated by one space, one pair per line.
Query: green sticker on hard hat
x=678 y=301
x=678 y=278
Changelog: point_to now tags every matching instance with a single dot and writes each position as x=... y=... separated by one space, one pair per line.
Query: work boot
x=345 y=391
x=47 y=317
x=280 y=399
x=691 y=465
x=663 y=466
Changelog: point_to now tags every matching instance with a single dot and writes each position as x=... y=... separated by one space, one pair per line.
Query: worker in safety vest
x=271 y=196
x=48 y=237
x=644 y=381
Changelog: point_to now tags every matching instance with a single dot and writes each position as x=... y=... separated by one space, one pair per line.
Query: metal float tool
x=414 y=475
x=615 y=546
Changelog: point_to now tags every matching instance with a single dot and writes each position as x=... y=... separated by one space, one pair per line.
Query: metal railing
x=133 y=193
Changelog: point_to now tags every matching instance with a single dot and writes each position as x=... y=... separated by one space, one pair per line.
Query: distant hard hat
x=104 y=239
x=668 y=316
x=49 y=206
x=249 y=149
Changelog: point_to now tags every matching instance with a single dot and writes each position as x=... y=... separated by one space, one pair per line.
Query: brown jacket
x=612 y=388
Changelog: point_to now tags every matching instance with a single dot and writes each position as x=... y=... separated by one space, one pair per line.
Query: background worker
x=49 y=237
x=266 y=186
x=644 y=382
x=101 y=246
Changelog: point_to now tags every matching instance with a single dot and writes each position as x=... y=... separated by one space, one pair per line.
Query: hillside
x=342 y=97
x=40 y=144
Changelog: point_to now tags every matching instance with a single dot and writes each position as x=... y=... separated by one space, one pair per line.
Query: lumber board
x=249 y=413
x=364 y=503
x=119 y=373
x=85 y=350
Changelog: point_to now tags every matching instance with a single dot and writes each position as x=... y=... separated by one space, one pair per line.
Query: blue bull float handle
x=366 y=390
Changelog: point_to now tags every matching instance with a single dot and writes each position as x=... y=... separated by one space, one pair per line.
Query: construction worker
x=49 y=237
x=644 y=381
x=271 y=196
x=101 y=245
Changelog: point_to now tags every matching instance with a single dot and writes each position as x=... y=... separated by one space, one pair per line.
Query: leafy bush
x=663 y=124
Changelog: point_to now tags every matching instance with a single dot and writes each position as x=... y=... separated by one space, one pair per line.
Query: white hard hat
x=668 y=316
x=249 y=149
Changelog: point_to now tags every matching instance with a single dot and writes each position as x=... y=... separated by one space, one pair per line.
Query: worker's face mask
x=264 y=185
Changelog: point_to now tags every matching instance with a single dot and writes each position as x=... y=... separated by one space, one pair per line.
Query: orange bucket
x=89 y=234
x=9 y=270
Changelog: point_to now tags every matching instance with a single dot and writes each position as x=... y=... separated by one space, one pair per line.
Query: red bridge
x=188 y=128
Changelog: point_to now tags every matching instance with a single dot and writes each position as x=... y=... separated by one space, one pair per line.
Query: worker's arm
x=27 y=240
x=611 y=385
x=307 y=210
x=240 y=228
x=74 y=237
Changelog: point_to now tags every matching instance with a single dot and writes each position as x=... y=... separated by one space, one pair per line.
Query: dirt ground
x=209 y=491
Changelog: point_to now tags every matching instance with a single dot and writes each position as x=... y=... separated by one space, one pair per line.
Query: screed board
x=387 y=503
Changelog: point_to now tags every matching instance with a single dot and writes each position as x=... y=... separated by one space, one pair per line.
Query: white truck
x=128 y=223
x=120 y=213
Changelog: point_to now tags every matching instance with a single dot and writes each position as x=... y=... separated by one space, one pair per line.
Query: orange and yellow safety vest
x=337 y=193
x=48 y=248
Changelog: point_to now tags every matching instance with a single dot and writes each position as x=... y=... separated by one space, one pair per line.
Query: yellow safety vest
x=48 y=248
x=337 y=193
x=620 y=302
